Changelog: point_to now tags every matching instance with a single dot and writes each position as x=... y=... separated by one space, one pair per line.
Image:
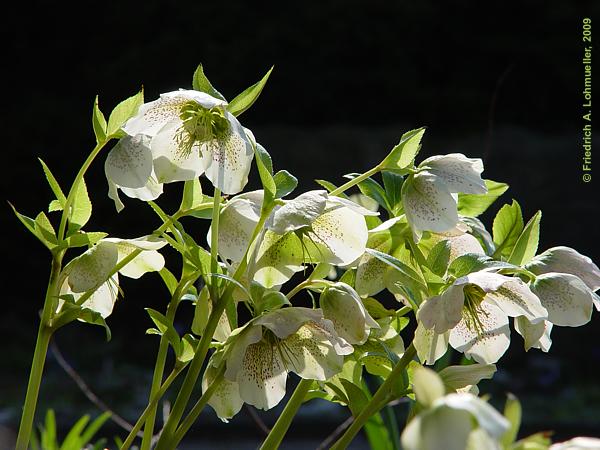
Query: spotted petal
x=568 y=300
x=535 y=335
x=487 y=345
x=516 y=299
x=430 y=346
x=102 y=299
x=298 y=213
x=460 y=174
x=443 y=312
x=227 y=160
x=149 y=259
x=129 y=163
x=92 y=268
x=226 y=400
x=278 y=258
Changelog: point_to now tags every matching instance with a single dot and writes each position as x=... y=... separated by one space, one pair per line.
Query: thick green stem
x=273 y=440
x=214 y=245
x=377 y=401
x=355 y=181
x=39 y=356
x=154 y=401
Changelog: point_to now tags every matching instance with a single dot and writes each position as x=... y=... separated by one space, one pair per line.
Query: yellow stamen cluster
x=199 y=125
x=472 y=311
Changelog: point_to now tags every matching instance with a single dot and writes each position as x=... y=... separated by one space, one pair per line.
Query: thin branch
x=87 y=391
x=257 y=419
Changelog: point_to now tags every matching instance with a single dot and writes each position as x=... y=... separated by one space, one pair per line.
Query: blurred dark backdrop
x=350 y=77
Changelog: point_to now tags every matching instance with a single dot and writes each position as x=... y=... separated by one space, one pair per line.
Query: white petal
x=227 y=161
x=370 y=275
x=461 y=174
x=129 y=163
x=427 y=386
x=488 y=346
x=566 y=260
x=149 y=260
x=236 y=225
x=353 y=205
x=459 y=244
x=236 y=345
x=568 y=300
x=298 y=213
x=152 y=116
x=285 y=321
x=92 y=268
x=342 y=305
x=225 y=400
x=516 y=299
x=339 y=236
x=113 y=194
x=488 y=281
x=278 y=259
x=479 y=439
x=171 y=163
x=151 y=191
x=440 y=428
x=535 y=335
x=102 y=300
x=430 y=346
x=442 y=312
x=388 y=224
x=487 y=417
x=578 y=443
x=428 y=204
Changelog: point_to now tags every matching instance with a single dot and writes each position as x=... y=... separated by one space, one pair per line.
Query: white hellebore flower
x=314 y=227
x=260 y=355
x=456 y=421
x=472 y=315
x=565 y=284
x=179 y=137
x=90 y=271
x=427 y=196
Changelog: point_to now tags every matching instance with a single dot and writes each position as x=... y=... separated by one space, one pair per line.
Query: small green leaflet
x=98 y=122
x=512 y=411
x=473 y=205
x=246 y=98
x=192 y=195
x=81 y=208
x=200 y=83
x=403 y=155
x=285 y=183
x=60 y=196
x=527 y=244
x=123 y=112
x=507 y=227
x=438 y=257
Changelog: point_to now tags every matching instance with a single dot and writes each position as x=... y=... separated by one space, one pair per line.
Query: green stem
x=161 y=359
x=39 y=355
x=278 y=431
x=69 y=202
x=355 y=181
x=214 y=245
x=198 y=407
x=154 y=401
x=306 y=284
x=377 y=401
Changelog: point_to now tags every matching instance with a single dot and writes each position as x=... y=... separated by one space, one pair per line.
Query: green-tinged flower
x=578 y=443
x=474 y=312
x=90 y=271
x=427 y=195
x=259 y=356
x=179 y=137
x=456 y=421
x=314 y=227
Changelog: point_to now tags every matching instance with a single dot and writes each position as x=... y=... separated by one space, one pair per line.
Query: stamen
x=199 y=125
x=472 y=310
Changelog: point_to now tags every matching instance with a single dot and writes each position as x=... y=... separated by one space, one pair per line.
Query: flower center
x=472 y=310
x=199 y=125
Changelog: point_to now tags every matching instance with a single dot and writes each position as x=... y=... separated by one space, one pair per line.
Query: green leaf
x=246 y=98
x=372 y=189
x=285 y=183
x=73 y=439
x=473 y=262
x=98 y=122
x=402 y=268
x=265 y=171
x=438 y=257
x=507 y=227
x=94 y=318
x=55 y=206
x=81 y=208
x=200 y=83
x=376 y=310
x=392 y=182
x=82 y=239
x=403 y=154
x=473 y=205
x=527 y=244
x=201 y=313
x=328 y=185
x=188 y=348
x=30 y=225
x=169 y=279
x=49 y=432
x=512 y=411
x=93 y=428
x=60 y=196
x=166 y=328
x=123 y=112
x=458 y=377
x=46 y=230
x=192 y=195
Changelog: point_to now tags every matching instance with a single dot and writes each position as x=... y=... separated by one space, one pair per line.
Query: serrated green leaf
x=285 y=183
x=98 y=122
x=45 y=229
x=265 y=171
x=438 y=257
x=55 y=206
x=399 y=266
x=169 y=279
x=392 y=182
x=507 y=227
x=473 y=205
x=60 y=196
x=526 y=246
x=201 y=83
x=512 y=412
x=81 y=208
x=123 y=112
x=245 y=99
x=192 y=195
x=29 y=223
x=403 y=154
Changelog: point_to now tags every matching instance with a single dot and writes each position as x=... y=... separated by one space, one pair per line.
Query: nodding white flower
x=565 y=284
x=259 y=356
x=343 y=306
x=428 y=196
x=90 y=271
x=474 y=312
x=314 y=227
x=179 y=137
x=453 y=422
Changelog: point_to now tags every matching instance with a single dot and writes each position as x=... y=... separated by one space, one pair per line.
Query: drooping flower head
x=179 y=137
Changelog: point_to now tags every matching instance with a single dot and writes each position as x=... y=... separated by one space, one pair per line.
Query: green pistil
x=200 y=125
x=472 y=310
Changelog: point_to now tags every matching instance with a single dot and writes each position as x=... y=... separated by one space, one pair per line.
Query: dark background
x=350 y=77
